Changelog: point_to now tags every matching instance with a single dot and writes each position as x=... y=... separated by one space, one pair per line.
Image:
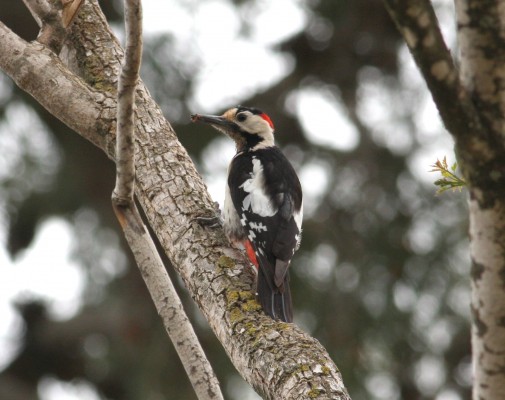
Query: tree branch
x=418 y=24
x=125 y=145
x=168 y=304
x=279 y=360
x=41 y=73
x=52 y=33
x=480 y=37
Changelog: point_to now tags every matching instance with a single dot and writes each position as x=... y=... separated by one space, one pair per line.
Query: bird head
x=250 y=128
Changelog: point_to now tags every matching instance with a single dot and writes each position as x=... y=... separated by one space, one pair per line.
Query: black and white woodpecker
x=263 y=203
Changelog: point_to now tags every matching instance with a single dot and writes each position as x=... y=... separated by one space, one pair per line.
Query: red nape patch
x=251 y=254
x=267 y=118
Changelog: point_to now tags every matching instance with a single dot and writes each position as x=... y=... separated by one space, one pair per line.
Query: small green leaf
x=449 y=178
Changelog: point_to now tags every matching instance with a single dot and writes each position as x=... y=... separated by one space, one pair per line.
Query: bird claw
x=212 y=220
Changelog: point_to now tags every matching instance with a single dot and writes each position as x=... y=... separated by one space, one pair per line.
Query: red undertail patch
x=251 y=254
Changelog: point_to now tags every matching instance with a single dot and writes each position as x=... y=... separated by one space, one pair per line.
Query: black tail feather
x=275 y=301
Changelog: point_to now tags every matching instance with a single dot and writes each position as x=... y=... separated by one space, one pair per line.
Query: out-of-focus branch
x=482 y=65
x=155 y=276
x=418 y=24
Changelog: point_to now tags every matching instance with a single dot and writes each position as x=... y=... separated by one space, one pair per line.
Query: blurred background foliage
x=381 y=278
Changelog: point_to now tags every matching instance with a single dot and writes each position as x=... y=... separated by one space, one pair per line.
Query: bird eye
x=241 y=117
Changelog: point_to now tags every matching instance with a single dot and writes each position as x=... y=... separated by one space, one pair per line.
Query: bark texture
x=481 y=35
x=488 y=299
x=279 y=360
x=128 y=79
x=168 y=304
x=471 y=102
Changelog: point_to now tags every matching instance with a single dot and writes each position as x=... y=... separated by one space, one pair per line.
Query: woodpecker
x=263 y=206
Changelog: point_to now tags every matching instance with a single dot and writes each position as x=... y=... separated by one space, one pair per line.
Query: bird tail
x=276 y=301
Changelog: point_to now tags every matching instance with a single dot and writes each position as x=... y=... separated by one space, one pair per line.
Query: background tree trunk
x=472 y=104
x=481 y=38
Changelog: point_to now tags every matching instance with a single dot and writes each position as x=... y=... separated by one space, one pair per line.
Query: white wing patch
x=258 y=227
x=243 y=220
x=298 y=216
x=257 y=200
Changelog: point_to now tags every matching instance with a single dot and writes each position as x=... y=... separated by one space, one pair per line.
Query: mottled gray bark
x=279 y=360
x=481 y=35
x=127 y=84
x=472 y=105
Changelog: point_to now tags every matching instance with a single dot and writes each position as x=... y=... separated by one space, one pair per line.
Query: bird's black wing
x=267 y=195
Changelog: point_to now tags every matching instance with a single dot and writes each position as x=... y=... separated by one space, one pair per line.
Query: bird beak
x=214 y=120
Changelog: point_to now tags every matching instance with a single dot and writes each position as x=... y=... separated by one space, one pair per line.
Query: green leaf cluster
x=449 y=180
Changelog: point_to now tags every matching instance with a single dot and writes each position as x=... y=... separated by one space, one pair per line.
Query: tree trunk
x=279 y=360
x=471 y=102
x=481 y=37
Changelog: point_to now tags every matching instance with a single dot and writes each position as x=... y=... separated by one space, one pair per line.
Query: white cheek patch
x=258 y=125
x=257 y=200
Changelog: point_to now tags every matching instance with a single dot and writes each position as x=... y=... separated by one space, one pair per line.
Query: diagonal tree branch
x=168 y=304
x=23 y=61
x=418 y=24
x=277 y=359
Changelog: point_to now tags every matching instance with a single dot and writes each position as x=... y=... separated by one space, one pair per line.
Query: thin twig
x=125 y=148
x=169 y=305
x=162 y=291
x=69 y=11
x=52 y=33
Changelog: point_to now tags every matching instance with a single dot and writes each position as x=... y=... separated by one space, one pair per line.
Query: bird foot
x=211 y=220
